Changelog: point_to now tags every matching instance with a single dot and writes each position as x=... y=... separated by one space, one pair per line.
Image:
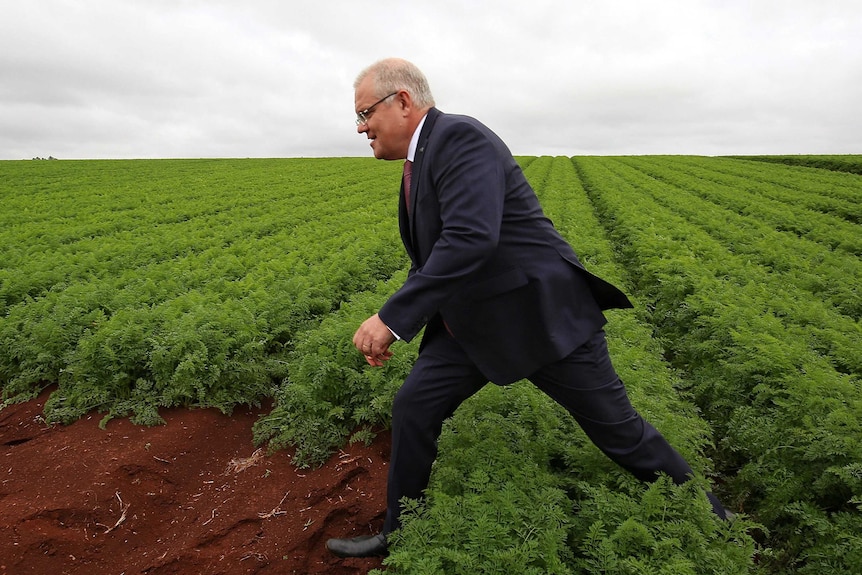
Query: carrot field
x=131 y=286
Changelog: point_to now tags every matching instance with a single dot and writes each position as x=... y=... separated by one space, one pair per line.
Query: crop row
x=775 y=379
x=838 y=162
x=808 y=208
x=788 y=260
x=805 y=202
x=830 y=192
x=195 y=313
x=103 y=221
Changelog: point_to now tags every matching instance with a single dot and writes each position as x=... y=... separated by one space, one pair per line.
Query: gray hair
x=394 y=74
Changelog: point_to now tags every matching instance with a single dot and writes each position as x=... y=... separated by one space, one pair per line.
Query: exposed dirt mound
x=193 y=496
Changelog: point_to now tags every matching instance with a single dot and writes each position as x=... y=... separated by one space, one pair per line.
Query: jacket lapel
x=418 y=164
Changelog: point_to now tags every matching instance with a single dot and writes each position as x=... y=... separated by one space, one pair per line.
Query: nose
x=361 y=128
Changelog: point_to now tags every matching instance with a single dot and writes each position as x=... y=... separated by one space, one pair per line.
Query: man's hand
x=373 y=339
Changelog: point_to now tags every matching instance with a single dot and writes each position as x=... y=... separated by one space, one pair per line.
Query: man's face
x=386 y=124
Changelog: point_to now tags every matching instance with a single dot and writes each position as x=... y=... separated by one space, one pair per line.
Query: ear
x=405 y=101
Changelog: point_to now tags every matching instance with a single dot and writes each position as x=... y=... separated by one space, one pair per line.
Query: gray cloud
x=198 y=78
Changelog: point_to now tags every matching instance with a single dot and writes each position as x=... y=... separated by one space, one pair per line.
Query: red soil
x=189 y=497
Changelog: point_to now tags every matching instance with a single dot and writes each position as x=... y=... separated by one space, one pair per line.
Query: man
x=501 y=295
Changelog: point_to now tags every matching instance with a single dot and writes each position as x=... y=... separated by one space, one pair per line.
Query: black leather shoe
x=365 y=546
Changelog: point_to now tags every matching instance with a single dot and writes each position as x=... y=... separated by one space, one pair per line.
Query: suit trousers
x=584 y=383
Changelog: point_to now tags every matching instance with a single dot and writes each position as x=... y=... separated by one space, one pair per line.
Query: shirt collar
x=414 y=141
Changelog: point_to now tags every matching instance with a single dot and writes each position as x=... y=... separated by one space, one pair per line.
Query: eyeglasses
x=362 y=117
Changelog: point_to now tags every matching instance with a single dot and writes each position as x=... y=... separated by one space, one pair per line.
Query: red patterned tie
x=408 y=172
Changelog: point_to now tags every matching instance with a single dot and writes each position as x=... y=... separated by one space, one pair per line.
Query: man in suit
x=501 y=295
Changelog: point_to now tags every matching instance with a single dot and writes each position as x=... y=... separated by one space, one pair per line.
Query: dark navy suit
x=503 y=297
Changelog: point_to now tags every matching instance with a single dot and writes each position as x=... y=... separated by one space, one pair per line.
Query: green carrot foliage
x=131 y=286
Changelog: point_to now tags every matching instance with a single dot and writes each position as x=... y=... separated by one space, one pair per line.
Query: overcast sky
x=274 y=78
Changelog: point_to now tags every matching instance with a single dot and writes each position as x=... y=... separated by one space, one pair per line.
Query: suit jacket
x=486 y=260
